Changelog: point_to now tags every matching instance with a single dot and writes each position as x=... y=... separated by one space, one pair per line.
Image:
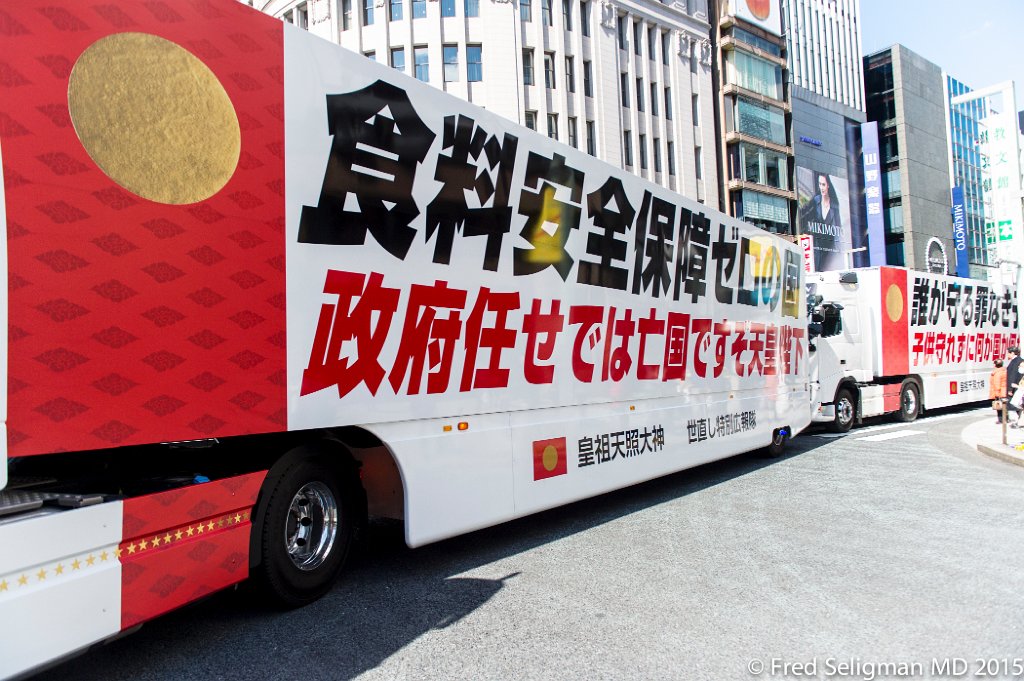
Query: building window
x=527 y=67
x=762 y=166
x=642 y=148
x=553 y=126
x=664 y=48
x=698 y=163
x=371 y=54
x=567 y=14
x=346 y=14
x=530 y=119
x=624 y=86
x=695 y=105
x=670 y=153
x=585 y=18
x=419 y=9
x=450 y=55
x=759 y=120
x=693 y=57
x=588 y=79
x=591 y=139
x=652 y=43
x=571 y=120
x=657 y=155
x=367 y=12
x=474 y=63
x=545 y=13
x=654 y=99
x=621 y=32
x=627 y=147
x=570 y=74
x=398 y=58
x=767 y=212
x=753 y=73
x=396 y=9
x=549 y=70
x=525 y=11
x=447 y=8
x=419 y=55
x=639 y=94
x=638 y=32
x=668 y=103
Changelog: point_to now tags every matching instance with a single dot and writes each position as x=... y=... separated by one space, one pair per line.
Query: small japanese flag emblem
x=549 y=458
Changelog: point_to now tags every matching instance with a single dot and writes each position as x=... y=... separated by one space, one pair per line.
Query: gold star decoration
x=156 y=541
x=210 y=526
x=23 y=580
x=177 y=535
x=41 y=575
x=104 y=556
x=245 y=516
x=117 y=552
x=200 y=527
x=75 y=564
x=59 y=569
x=189 y=531
x=3 y=585
x=167 y=538
x=143 y=545
x=90 y=560
x=238 y=518
x=131 y=548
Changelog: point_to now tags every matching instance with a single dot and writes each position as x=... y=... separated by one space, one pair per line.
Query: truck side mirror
x=848 y=278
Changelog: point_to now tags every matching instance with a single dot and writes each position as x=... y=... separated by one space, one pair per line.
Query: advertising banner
x=824 y=213
x=873 y=193
x=960 y=233
x=763 y=13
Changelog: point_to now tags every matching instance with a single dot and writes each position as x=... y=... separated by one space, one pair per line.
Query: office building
x=827 y=102
x=626 y=81
x=904 y=96
x=753 y=113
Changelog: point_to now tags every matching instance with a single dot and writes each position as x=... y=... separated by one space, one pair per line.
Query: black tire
x=301 y=550
x=846 y=411
x=780 y=436
x=910 y=402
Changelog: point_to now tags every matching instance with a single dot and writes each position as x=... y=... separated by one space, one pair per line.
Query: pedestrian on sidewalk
x=997 y=389
x=1014 y=374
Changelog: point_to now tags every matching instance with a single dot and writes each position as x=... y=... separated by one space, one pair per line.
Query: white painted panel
x=454 y=482
x=47 y=621
x=58 y=535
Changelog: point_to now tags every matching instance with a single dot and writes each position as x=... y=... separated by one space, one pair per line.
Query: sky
x=978 y=42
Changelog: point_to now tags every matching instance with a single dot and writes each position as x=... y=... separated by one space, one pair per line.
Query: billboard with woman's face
x=824 y=213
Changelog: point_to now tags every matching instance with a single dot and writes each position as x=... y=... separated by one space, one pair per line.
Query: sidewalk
x=987 y=436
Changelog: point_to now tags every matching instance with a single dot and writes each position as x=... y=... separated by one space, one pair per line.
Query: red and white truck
x=900 y=341
x=260 y=288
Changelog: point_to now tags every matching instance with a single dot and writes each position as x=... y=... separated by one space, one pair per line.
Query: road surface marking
x=889 y=436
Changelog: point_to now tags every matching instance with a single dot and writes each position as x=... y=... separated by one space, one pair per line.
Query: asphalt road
x=869 y=549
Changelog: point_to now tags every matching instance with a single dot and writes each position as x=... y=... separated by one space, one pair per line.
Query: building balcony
x=734 y=137
x=733 y=89
x=730 y=43
x=739 y=185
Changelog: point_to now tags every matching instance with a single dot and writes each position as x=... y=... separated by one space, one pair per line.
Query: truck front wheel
x=305 y=532
x=846 y=409
x=910 y=402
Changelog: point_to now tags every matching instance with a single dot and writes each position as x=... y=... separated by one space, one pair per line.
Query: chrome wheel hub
x=312 y=526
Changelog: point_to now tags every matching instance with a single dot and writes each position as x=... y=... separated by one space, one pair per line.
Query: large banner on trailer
x=937 y=324
x=442 y=260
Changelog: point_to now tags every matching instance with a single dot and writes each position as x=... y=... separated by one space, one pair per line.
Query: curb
x=1001 y=454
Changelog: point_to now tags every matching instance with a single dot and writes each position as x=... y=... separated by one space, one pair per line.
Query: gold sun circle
x=154 y=118
x=550 y=458
x=894 y=303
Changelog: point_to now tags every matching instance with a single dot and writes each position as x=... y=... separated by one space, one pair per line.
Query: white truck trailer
x=260 y=287
x=900 y=341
